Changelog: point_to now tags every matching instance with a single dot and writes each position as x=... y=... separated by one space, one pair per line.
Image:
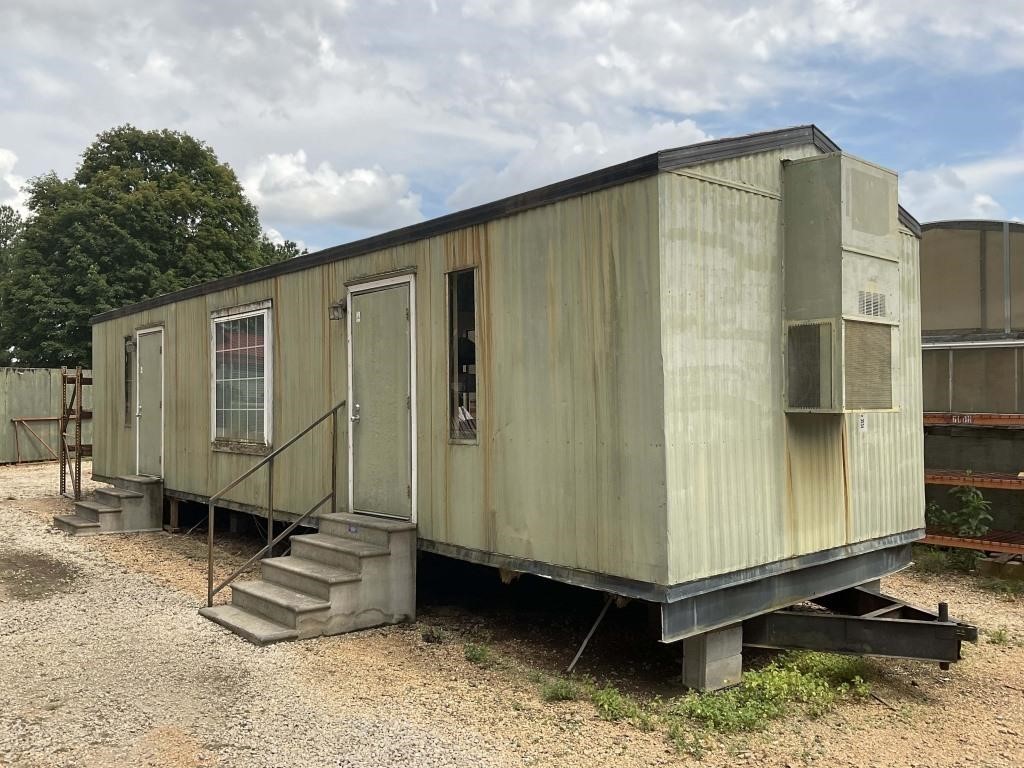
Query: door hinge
x=408 y=491
x=408 y=402
x=407 y=314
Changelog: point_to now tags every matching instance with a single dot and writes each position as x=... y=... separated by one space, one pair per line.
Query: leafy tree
x=289 y=249
x=10 y=237
x=146 y=213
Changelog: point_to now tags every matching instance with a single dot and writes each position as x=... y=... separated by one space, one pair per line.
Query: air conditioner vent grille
x=868 y=366
x=809 y=364
x=871 y=303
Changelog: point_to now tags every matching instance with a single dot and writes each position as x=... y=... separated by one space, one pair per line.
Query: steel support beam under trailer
x=864 y=623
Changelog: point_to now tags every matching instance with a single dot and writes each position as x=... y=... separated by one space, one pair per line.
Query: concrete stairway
x=357 y=572
x=133 y=504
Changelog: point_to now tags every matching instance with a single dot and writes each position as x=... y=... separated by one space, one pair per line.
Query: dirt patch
x=26 y=575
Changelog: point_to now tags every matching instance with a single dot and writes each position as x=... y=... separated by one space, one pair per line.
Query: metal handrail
x=268 y=461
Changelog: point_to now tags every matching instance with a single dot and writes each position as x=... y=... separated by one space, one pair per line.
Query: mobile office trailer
x=692 y=378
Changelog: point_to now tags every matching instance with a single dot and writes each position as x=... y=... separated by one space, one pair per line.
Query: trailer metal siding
x=748 y=484
x=630 y=383
x=569 y=352
x=886 y=459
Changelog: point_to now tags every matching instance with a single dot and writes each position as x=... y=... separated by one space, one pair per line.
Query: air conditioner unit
x=842 y=279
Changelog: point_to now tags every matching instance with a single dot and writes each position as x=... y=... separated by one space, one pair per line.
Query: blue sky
x=346 y=118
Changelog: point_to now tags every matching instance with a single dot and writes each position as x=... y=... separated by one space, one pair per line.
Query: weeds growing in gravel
x=938 y=560
x=685 y=740
x=998 y=636
x=437 y=635
x=810 y=682
x=1005 y=587
x=479 y=654
x=560 y=689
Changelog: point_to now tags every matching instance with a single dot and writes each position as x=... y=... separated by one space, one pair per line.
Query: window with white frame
x=242 y=374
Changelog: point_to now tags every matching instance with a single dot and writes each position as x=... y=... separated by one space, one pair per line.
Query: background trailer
x=972 y=310
x=692 y=378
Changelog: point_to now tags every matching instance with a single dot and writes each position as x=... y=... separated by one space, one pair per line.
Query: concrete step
x=308 y=576
x=256 y=629
x=94 y=510
x=346 y=554
x=373 y=530
x=75 y=525
x=113 y=496
x=288 y=607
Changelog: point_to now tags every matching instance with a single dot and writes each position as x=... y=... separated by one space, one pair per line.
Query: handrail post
x=209 y=555
x=334 y=462
x=270 y=507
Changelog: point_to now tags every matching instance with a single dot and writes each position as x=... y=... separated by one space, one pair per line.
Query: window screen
x=462 y=353
x=240 y=392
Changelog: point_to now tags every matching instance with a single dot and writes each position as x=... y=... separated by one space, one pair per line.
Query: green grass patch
x=938 y=560
x=1004 y=587
x=560 y=689
x=479 y=654
x=809 y=682
x=998 y=636
x=435 y=635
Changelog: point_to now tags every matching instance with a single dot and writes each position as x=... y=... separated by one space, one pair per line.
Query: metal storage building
x=972 y=309
x=692 y=378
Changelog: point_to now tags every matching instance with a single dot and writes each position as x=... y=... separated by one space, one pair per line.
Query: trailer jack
x=861 y=622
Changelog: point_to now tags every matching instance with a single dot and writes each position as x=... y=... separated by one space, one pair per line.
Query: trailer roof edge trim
x=631 y=170
x=990 y=225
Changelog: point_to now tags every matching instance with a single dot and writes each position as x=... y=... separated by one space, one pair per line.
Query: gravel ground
x=104 y=661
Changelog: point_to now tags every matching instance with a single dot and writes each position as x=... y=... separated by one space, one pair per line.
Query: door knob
x=355 y=413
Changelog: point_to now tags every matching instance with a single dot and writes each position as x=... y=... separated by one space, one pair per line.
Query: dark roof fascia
x=988 y=225
x=908 y=221
x=632 y=170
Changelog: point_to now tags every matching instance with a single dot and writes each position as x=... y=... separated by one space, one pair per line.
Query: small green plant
x=560 y=689
x=998 y=636
x=434 y=635
x=1005 y=587
x=612 y=705
x=685 y=741
x=479 y=654
x=939 y=560
x=972 y=516
x=813 y=681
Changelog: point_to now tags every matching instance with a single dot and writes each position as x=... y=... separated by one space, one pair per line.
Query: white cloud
x=967 y=190
x=285 y=187
x=563 y=151
x=10 y=183
x=473 y=99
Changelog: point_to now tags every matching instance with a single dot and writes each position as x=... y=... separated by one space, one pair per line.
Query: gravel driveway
x=104 y=661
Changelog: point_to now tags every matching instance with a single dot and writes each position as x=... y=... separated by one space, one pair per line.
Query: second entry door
x=381 y=406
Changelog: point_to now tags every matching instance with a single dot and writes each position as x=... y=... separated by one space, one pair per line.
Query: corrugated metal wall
x=747 y=484
x=569 y=466
x=28 y=392
x=886 y=458
x=589 y=456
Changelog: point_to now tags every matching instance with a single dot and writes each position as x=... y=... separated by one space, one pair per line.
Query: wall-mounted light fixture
x=338 y=310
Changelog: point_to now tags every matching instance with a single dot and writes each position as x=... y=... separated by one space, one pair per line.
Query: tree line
x=145 y=213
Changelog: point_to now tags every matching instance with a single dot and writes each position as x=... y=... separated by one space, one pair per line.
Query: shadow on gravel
x=541 y=622
x=27 y=576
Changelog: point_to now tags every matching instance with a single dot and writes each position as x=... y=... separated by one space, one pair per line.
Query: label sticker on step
x=862 y=422
x=353 y=529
